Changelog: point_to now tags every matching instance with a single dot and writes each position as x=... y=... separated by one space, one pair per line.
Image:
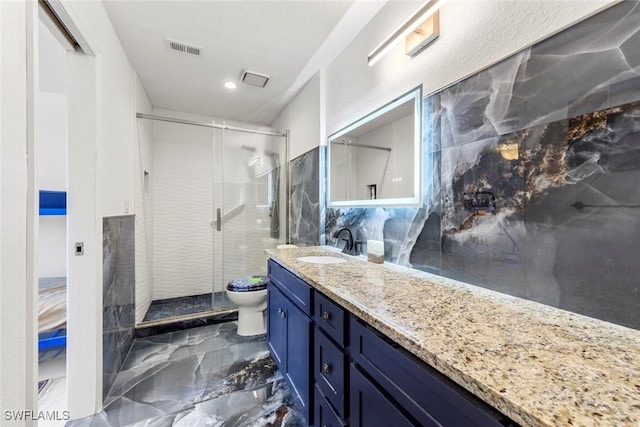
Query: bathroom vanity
x=372 y=345
x=339 y=368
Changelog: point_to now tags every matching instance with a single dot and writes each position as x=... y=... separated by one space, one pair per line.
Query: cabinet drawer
x=324 y=415
x=292 y=286
x=328 y=370
x=427 y=395
x=330 y=317
x=370 y=407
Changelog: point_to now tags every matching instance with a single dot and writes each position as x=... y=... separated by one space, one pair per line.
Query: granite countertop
x=539 y=365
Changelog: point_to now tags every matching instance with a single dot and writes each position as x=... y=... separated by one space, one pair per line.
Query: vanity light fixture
x=425 y=33
x=230 y=85
x=418 y=31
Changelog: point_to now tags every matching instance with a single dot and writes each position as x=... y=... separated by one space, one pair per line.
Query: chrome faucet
x=351 y=247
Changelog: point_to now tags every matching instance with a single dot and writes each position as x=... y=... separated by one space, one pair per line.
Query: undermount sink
x=325 y=259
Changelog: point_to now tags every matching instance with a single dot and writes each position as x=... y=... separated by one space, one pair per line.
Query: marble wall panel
x=591 y=66
x=305 y=199
x=118 y=322
x=531 y=175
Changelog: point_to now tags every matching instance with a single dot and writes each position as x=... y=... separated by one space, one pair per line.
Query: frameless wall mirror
x=376 y=161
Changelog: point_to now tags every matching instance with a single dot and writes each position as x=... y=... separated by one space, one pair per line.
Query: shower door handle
x=219 y=219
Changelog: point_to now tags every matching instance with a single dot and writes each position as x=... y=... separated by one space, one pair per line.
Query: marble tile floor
x=207 y=376
x=181 y=306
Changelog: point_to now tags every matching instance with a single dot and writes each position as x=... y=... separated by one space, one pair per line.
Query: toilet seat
x=248 y=284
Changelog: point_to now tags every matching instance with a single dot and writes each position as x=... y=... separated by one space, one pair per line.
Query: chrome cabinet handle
x=326 y=316
x=326 y=368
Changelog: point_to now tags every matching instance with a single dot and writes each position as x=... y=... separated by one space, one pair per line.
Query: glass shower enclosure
x=213 y=198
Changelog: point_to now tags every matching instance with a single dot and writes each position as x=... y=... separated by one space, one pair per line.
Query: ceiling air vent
x=185 y=48
x=254 y=79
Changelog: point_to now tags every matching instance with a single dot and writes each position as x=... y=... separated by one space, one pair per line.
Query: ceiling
x=287 y=40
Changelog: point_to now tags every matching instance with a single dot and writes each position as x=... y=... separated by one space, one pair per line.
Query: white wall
x=52 y=246
x=401 y=174
x=84 y=273
x=143 y=156
x=16 y=340
x=116 y=84
x=52 y=140
x=473 y=34
x=101 y=183
x=52 y=135
x=373 y=166
x=302 y=116
x=341 y=161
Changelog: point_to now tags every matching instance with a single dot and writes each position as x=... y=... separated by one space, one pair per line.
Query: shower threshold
x=192 y=307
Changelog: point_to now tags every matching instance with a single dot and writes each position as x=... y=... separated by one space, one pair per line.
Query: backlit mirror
x=376 y=161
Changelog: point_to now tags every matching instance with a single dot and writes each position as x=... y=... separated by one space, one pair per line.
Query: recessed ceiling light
x=230 y=85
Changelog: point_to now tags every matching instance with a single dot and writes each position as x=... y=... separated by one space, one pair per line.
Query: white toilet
x=250 y=294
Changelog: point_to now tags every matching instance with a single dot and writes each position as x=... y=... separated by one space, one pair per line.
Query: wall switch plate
x=79 y=248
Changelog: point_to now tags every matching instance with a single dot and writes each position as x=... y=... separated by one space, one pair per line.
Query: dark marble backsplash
x=118 y=276
x=531 y=174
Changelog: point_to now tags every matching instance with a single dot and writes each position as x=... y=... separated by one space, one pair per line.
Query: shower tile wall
x=304 y=194
x=118 y=280
x=531 y=172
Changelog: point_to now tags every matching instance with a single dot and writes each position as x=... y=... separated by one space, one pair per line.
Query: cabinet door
x=371 y=408
x=277 y=327
x=298 y=355
x=323 y=413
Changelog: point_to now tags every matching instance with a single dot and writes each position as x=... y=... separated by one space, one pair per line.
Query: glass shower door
x=250 y=205
x=174 y=258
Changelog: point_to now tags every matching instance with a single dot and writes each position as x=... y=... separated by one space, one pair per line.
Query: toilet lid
x=248 y=284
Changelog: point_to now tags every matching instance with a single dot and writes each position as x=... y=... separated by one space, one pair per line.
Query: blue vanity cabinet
x=370 y=407
x=383 y=375
x=330 y=361
x=343 y=372
x=289 y=335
